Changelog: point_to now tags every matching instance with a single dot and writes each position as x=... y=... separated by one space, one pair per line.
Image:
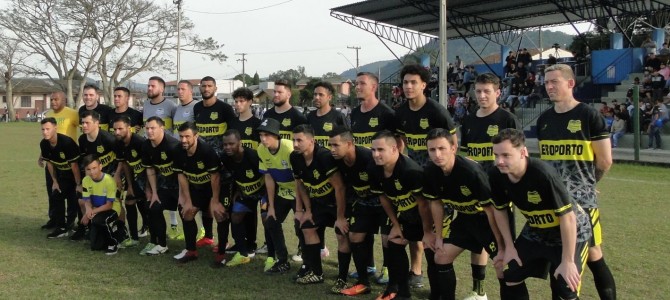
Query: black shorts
x=539 y=260
x=367 y=219
x=471 y=232
x=169 y=198
x=201 y=198
x=412 y=232
x=226 y=192
x=323 y=215
x=138 y=187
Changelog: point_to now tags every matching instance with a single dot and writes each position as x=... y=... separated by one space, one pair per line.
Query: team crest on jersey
x=465 y=191
x=249 y=173
x=62 y=155
x=133 y=153
x=492 y=130
x=100 y=149
x=534 y=197
x=423 y=123
x=286 y=122
x=159 y=112
x=214 y=115
x=373 y=122
x=163 y=156
x=397 y=185
x=574 y=125
x=248 y=131
x=316 y=174
x=328 y=126
x=284 y=164
x=186 y=113
x=201 y=165
x=363 y=176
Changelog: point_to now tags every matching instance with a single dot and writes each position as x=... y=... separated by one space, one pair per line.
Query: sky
x=281 y=35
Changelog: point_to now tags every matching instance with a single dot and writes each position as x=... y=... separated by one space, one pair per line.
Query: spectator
x=657 y=85
x=652 y=63
x=624 y=114
x=655 y=125
x=510 y=59
x=552 y=60
x=618 y=129
x=649 y=45
x=664 y=50
x=525 y=57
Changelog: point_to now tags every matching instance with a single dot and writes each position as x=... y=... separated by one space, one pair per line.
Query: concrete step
x=627 y=141
x=622 y=154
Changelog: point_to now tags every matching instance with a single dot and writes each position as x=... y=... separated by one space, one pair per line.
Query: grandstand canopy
x=468 y=18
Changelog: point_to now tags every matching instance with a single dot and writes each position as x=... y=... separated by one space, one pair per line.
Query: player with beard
x=573 y=138
x=368 y=118
x=324 y=118
x=61 y=154
x=321 y=204
x=100 y=143
x=366 y=211
x=243 y=161
x=92 y=103
x=128 y=155
x=197 y=167
x=212 y=117
x=417 y=116
x=476 y=132
x=288 y=117
x=121 y=108
x=158 y=154
x=158 y=106
x=245 y=124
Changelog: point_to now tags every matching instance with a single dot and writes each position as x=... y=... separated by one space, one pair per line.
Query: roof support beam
x=411 y=40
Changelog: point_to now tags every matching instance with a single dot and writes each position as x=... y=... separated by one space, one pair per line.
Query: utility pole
x=244 y=75
x=357 y=61
x=178 y=3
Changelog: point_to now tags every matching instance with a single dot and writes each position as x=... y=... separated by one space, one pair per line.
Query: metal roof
x=467 y=18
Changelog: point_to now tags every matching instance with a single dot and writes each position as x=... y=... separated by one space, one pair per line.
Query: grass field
x=634 y=216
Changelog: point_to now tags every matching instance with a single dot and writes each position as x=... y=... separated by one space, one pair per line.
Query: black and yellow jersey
x=134 y=115
x=476 y=134
x=103 y=148
x=542 y=198
x=212 y=122
x=416 y=124
x=323 y=125
x=565 y=142
x=197 y=168
x=465 y=189
x=248 y=178
x=402 y=187
x=61 y=155
x=365 y=124
x=287 y=121
x=247 y=128
x=131 y=154
x=357 y=179
x=161 y=158
x=316 y=175
x=103 y=111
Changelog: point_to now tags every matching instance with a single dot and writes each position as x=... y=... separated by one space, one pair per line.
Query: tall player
x=156 y=105
x=416 y=117
x=92 y=103
x=573 y=138
x=476 y=132
x=212 y=117
x=368 y=118
x=184 y=111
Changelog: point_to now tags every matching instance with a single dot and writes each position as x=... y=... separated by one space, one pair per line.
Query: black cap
x=269 y=126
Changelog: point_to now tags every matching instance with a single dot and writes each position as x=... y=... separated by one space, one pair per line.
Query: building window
x=26 y=101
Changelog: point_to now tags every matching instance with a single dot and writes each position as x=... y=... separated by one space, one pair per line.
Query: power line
x=238 y=12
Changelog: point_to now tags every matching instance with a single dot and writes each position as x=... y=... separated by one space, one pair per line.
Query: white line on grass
x=636 y=180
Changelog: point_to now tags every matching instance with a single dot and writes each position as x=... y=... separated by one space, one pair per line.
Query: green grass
x=633 y=202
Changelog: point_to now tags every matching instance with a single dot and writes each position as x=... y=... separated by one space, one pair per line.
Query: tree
x=330 y=75
x=12 y=62
x=291 y=75
x=307 y=93
x=114 y=39
x=256 y=80
x=244 y=78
